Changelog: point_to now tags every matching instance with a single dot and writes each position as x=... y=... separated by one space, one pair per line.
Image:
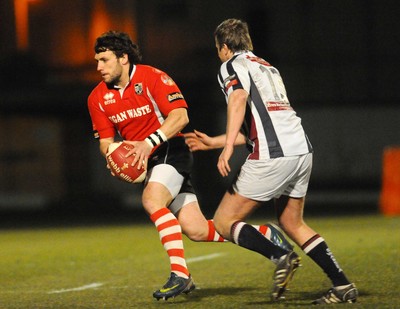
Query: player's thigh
x=233 y=207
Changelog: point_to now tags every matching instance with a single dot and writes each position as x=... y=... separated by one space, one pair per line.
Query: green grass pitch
x=115 y=266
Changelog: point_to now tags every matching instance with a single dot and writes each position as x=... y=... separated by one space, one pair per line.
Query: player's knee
x=154 y=203
x=150 y=207
x=222 y=227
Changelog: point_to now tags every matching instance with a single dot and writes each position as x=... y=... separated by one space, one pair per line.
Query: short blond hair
x=235 y=34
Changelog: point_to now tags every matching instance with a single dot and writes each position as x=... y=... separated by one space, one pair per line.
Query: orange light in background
x=129 y=24
x=100 y=21
x=22 y=23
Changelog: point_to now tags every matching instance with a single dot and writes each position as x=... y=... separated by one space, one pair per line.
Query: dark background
x=338 y=59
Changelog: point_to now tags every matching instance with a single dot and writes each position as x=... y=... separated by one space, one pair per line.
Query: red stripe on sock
x=171 y=237
x=177 y=267
x=159 y=213
x=167 y=224
x=308 y=242
x=211 y=230
x=176 y=252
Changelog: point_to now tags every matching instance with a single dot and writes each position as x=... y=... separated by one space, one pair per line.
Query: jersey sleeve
x=242 y=72
x=102 y=126
x=237 y=76
x=165 y=92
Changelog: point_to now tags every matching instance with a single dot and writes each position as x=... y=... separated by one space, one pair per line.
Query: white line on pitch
x=81 y=288
x=204 y=257
x=96 y=284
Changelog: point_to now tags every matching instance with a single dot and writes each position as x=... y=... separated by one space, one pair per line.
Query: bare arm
x=236 y=112
x=176 y=120
x=200 y=141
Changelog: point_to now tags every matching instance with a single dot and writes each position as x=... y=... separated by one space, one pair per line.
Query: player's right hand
x=223 y=161
x=141 y=152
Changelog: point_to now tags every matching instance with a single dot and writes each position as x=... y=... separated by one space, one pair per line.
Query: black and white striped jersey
x=271 y=125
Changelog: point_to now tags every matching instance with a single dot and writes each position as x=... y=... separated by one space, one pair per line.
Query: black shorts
x=176 y=153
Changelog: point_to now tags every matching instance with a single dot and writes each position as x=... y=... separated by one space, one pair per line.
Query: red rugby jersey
x=146 y=101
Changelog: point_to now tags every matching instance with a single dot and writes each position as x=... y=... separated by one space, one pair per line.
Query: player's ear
x=124 y=59
x=225 y=48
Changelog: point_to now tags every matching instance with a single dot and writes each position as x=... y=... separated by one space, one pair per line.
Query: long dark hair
x=120 y=43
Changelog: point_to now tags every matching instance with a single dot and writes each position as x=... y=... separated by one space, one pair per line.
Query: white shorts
x=168 y=176
x=263 y=180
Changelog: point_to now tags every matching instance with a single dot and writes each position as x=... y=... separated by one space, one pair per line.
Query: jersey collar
x=122 y=89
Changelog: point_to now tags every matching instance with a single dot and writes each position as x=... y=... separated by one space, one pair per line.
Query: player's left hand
x=223 y=161
x=141 y=151
x=197 y=140
x=109 y=168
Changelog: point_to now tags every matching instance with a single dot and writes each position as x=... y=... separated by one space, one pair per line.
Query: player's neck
x=123 y=81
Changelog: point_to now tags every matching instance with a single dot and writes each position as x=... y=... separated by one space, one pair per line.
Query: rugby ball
x=121 y=166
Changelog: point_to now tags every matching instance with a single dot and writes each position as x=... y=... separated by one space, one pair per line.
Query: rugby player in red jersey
x=145 y=107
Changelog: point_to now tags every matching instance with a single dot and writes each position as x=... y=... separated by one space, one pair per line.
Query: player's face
x=109 y=67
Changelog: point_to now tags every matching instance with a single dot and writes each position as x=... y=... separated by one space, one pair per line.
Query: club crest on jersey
x=175 y=96
x=167 y=80
x=230 y=81
x=109 y=98
x=139 y=88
